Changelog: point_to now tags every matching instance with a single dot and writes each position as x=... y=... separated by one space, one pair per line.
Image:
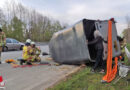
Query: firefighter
x=35 y=52
x=27 y=52
x=122 y=42
x=2 y=41
x=98 y=41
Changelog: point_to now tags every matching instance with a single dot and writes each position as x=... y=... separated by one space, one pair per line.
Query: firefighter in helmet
x=2 y=41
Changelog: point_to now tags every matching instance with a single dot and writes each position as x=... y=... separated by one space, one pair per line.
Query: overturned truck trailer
x=69 y=46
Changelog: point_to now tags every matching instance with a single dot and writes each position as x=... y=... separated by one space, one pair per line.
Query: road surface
x=31 y=78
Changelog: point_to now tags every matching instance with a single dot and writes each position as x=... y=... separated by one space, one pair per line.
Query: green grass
x=128 y=46
x=85 y=80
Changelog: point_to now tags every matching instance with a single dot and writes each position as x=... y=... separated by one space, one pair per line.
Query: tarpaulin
x=111 y=72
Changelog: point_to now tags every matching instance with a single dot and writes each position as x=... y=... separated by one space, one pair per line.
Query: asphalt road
x=31 y=78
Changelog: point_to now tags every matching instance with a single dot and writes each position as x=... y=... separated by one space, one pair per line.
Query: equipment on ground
x=10 y=61
x=45 y=53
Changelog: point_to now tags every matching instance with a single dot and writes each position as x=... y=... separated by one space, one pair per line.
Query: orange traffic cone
x=2 y=84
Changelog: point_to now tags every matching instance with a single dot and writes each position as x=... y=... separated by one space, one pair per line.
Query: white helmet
x=28 y=41
x=32 y=43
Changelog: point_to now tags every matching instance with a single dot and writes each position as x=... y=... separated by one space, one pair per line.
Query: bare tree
x=2 y=17
x=33 y=24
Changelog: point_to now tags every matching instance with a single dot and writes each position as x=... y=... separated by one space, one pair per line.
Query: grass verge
x=85 y=80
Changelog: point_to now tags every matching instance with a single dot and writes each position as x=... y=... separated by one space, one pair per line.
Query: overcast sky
x=71 y=11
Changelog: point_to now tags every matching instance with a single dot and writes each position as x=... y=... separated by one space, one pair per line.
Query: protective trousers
x=99 y=59
x=0 y=52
